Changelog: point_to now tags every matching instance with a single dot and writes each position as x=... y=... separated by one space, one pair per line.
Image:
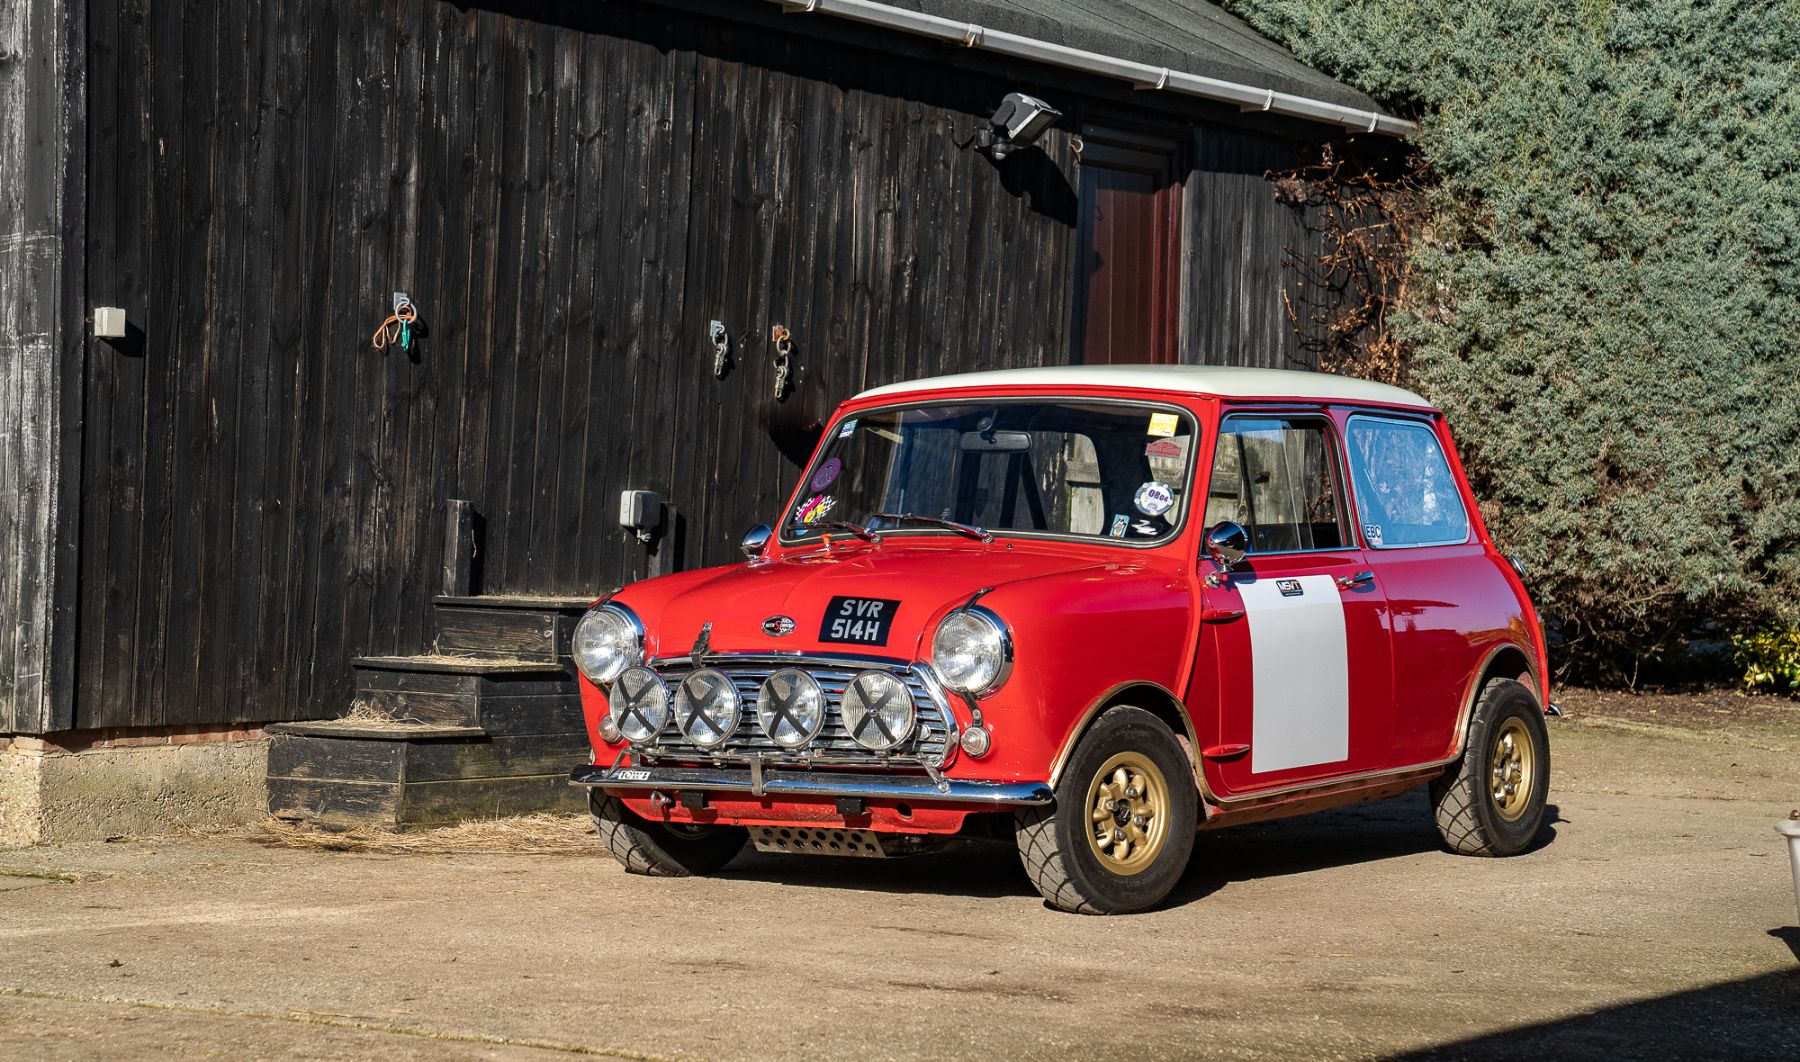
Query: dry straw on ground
x=525 y=835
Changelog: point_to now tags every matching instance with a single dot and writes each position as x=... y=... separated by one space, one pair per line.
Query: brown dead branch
x=1363 y=215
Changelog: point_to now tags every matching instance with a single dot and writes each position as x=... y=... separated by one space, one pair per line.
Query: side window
x=1275 y=476
x=1405 y=494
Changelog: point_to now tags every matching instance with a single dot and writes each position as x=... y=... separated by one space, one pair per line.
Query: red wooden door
x=1128 y=250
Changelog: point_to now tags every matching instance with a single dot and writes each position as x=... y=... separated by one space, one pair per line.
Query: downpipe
x=1790 y=828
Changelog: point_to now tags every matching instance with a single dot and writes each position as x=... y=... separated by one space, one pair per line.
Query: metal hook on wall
x=784 y=346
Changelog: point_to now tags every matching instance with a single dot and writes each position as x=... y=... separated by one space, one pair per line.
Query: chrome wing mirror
x=755 y=541
x=1227 y=543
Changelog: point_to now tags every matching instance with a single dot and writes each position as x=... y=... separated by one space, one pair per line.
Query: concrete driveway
x=1659 y=920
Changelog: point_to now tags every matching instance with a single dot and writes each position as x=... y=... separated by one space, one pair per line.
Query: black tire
x=1059 y=857
x=1469 y=800
x=658 y=850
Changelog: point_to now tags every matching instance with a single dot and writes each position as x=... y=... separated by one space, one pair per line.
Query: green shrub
x=1770 y=659
x=1605 y=296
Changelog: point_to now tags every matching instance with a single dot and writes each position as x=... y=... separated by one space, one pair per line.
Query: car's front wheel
x=658 y=849
x=1491 y=802
x=1120 y=831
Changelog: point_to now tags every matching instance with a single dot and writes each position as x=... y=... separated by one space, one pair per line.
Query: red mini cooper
x=1089 y=610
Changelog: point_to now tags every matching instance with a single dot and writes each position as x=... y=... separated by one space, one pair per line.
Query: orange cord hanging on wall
x=398 y=328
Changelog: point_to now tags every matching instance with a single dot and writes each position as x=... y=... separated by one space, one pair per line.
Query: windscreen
x=1039 y=466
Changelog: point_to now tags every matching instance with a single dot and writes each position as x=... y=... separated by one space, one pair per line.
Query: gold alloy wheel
x=1514 y=771
x=1128 y=813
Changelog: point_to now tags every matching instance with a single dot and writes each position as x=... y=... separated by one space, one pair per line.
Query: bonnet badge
x=778 y=626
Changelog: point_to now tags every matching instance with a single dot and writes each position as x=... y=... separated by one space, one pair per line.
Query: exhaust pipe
x=1790 y=828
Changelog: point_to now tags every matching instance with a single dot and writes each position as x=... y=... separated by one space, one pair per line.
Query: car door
x=1296 y=653
x=1439 y=582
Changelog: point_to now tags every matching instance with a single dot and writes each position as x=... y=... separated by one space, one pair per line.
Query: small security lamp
x=1019 y=121
x=641 y=512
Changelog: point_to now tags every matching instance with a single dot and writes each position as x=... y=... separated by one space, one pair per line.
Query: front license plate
x=858 y=620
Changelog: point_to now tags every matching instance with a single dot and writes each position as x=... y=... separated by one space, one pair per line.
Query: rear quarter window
x=1405 y=493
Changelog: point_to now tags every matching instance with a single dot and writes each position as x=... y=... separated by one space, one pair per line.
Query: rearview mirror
x=996 y=442
x=1227 y=544
x=755 y=541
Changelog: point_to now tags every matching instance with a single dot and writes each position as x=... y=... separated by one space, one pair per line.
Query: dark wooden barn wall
x=1235 y=237
x=570 y=197
x=41 y=145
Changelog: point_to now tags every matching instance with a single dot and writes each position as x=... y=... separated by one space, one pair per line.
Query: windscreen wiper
x=971 y=530
x=856 y=529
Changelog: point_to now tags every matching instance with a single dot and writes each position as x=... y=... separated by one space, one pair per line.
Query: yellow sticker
x=1164 y=423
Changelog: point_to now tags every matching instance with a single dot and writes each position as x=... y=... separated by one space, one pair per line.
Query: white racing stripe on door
x=1300 y=669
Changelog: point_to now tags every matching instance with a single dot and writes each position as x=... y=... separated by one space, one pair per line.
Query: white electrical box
x=109 y=322
x=640 y=510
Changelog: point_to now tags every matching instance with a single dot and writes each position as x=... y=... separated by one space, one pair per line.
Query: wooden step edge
x=533 y=602
x=377 y=731
x=463 y=665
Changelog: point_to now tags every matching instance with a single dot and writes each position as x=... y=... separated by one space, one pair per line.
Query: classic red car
x=1085 y=610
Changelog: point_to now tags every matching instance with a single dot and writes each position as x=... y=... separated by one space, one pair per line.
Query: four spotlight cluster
x=877 y=708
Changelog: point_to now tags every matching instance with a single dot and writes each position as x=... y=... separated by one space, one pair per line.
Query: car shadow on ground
x=1357 y=833
x=1741 y=1021
x=1361 y=833
x=1789 y=935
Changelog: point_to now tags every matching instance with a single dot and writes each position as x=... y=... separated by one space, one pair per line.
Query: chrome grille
x=834 y=745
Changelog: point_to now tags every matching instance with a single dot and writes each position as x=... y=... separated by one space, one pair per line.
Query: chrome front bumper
x=761 y=782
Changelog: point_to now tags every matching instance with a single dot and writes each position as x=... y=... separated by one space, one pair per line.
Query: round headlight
x=607 y=641
x=639 y=705
x=706 y=707
x=972 y=650
x=878 y=710
x=791 y=707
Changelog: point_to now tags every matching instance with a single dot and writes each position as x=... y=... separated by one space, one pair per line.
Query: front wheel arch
x=1147 y=696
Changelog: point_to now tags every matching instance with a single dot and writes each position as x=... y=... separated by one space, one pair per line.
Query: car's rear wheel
x=1120 y=831
x=1491 y=802
x=661 y=849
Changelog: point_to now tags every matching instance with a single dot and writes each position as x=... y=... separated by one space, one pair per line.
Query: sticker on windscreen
x=1121 y=524
x=1166 y=448
x=847 y=430
x=814 y=508
x=1164 y=423
x=1372 y=532
x=858 y=620
x=1154 y=499
x=827 y=474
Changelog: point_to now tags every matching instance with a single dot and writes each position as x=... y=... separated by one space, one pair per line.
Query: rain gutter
x=1139 y=75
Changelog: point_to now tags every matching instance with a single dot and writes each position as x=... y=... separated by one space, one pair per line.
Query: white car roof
x=1220 y=381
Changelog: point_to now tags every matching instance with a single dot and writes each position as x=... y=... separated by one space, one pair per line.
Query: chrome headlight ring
x=706 y=707
x=878 y=710
x=972 y=650
x=790 y=707
x=638 y=705
x=608 y=640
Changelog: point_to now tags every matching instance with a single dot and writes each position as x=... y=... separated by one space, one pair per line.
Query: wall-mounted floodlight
x=641 y=511
x=1019 y=121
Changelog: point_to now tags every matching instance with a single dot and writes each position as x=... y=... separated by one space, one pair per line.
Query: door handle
x=1351 y=582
